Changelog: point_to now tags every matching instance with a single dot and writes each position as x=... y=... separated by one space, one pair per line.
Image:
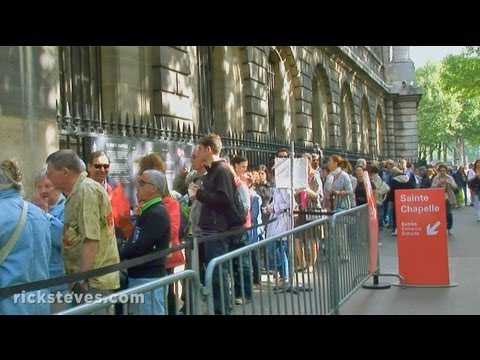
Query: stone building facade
x=359 y=101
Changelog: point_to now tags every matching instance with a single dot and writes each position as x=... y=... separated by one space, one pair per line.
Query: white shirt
x=470 y=174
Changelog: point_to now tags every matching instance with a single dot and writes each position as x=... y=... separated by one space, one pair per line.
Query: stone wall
x=306 y=83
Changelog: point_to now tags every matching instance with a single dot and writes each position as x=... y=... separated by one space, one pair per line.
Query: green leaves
x=439 y=110
x=450 y=104
x=461 y=74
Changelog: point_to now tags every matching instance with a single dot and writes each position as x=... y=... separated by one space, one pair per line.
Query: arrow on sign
x=432 y=229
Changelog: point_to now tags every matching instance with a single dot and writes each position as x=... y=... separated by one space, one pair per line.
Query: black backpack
x=238 y=215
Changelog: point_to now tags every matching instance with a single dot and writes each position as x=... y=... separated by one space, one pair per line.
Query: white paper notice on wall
x=282 y=173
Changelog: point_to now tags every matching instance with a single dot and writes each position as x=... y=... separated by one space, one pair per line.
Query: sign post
x=422 y=237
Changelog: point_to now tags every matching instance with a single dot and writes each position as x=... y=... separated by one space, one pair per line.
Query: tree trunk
x=454 y=150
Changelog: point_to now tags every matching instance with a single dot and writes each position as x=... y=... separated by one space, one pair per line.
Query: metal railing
x=191 y=286
x=311 y=269
x=76 y=124
x=327 y=258
x=350 y=240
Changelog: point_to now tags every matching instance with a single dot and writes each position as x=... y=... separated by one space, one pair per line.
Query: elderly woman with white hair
x=25 y=245
x=52 y=201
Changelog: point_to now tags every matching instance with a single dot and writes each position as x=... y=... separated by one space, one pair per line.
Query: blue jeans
x=281 y=257
x=277 y=254
x=213 y=249
x=146 y=307
x=241 y=265
x=476 y=204
x=380 y=215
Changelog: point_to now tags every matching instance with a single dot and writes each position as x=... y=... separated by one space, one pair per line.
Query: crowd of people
x=80 y=219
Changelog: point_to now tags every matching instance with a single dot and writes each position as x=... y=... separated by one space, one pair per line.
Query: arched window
x=381 y=135
x=279 y=97
x=321 y=102
x=346 y=118
x=365 y=127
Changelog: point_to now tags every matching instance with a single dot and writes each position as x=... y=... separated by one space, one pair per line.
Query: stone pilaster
x=126 y=80
x=28 y=128
x=405 y=127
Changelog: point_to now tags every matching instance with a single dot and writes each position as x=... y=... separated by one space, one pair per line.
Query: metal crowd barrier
x=350 y=239
x=132 y=297
x=311 y=269
x=305 y=290
x=327 y=260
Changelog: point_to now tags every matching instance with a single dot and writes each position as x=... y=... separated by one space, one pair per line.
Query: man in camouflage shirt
x=89 y=234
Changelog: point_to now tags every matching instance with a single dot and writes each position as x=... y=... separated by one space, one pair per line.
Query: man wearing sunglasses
x=152 y=234
x=98 y=169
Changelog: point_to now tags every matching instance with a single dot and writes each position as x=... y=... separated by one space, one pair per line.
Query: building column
x=126 y=80
x=405 y=115
x=28 y=127
x=405 y=96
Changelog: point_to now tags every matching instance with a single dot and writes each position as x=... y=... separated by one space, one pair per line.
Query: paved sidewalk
x=464 y=264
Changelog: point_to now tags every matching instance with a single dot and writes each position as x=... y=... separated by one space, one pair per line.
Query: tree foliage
x=439 y=110
x=450 y=105
x=461 y=74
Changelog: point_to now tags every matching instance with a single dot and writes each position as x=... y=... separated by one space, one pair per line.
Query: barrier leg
x=376 y=284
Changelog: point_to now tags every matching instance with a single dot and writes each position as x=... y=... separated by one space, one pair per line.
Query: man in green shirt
x=89 y=234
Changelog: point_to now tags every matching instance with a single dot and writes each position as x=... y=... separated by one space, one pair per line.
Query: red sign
x=422 y=236
x=373 y=222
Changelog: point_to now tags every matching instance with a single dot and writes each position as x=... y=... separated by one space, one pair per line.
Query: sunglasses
x=99 y=166
x=142 y=183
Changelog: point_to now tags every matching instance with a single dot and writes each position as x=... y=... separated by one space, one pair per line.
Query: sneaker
x=394 y=232
x=242 y=301
x=449 y=232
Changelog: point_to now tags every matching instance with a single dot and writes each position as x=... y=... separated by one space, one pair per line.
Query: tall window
x=346 y=118
x=270 y=95
x=280 y=96
x=80 y=80
x=381 y=135
x=320 y=102
x=207 y=121
x=365 y=130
